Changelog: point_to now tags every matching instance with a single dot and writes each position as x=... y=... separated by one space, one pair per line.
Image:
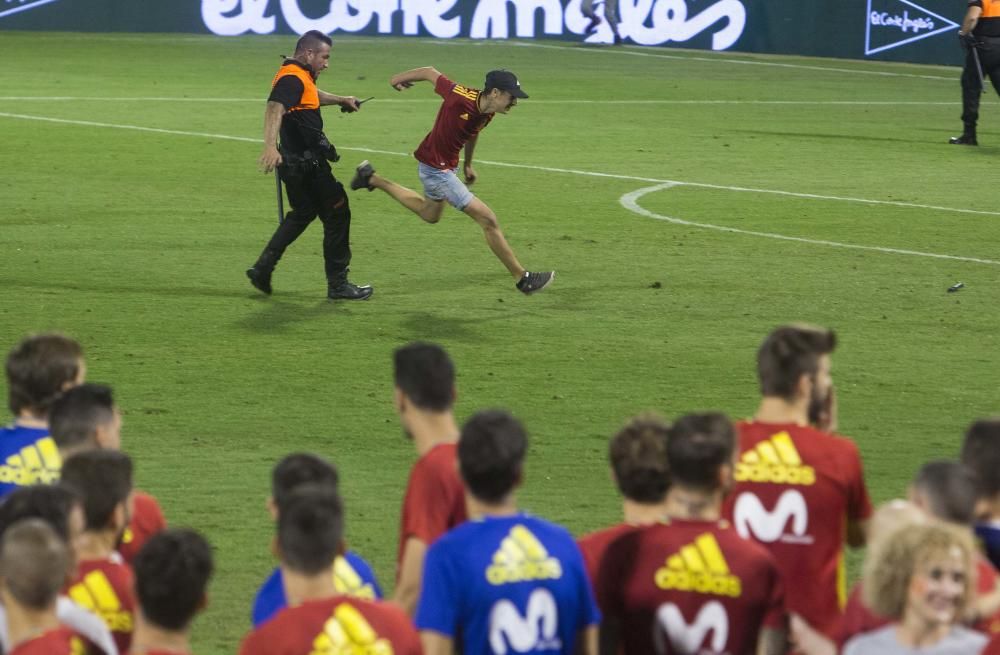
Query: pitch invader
x=800 y=488
x=692 y=584
x=504 y=580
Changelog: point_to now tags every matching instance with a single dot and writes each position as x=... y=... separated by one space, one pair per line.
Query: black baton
x=281 y=199
x=979 y=69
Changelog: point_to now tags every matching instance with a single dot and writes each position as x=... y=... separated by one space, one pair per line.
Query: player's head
x=84 y=418
x=794 y=362
x=424 y=379
x=103 y=478
x=313 y=48
x=311 y=530
x=58 y=505
x=171 y=575
x=491 y=455
x=892 y=515
x=700 y=451
x=981 y=454
x=40 y=368
x=296 y=470
x=638 y=455
x=946 y=490
x=501 y=91
x=34 y=563
x=922 y=571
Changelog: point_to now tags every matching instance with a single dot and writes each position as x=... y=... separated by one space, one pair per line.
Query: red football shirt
x=335 y=625
x=147 y=519
x=435 y=499
x=993 y=647
x=105 y=588
x=796 y=489
x=858 y=617
x=458 y=120
x=59 y=641
x=986 y=582
x=594 y=545
x=684 y=586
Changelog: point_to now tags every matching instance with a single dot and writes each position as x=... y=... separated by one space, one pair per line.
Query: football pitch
x=689 y=202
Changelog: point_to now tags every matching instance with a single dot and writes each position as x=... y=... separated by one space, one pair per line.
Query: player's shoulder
x=599 y=538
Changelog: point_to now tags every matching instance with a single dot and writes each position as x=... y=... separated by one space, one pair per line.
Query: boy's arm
x=406 y=79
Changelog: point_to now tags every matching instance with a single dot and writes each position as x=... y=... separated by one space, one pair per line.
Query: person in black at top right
x=980 y=36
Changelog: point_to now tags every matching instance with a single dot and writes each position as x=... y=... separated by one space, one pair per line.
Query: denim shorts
x=444 y=185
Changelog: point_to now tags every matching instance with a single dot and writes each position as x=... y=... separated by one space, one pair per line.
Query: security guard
x=980 y=36
x=303 y=162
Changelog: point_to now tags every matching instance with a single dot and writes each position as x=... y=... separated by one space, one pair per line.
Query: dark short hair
x=790 y=352
x=638 y=455
x=981 y=453
x=51 y=503
x=299 y=469
x=34 y=561
x=171 y=573
x=311 y=40
x=311 y=529
x=103 y=478
x=950 y=490
x=37 y=370
x=425 y=373
x=75 y=415
x=698 y=445
x=491 y=453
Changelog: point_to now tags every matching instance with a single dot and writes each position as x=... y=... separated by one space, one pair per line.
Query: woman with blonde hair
x=921 y=577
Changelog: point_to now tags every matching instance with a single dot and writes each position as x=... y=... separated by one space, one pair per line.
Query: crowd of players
x=731 y=540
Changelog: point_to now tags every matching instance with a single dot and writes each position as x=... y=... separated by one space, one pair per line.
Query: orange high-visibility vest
x=310 y=94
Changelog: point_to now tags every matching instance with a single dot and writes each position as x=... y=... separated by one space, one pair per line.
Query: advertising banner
x=920 y=31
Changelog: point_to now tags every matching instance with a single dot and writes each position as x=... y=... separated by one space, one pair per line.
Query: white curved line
x=630 y=202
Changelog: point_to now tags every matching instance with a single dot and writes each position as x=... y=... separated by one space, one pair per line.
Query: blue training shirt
x=352 y=576
x=507 y=583
x=988 y=534
x=27 y=456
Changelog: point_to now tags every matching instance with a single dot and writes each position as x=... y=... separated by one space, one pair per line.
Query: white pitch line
x=568 y=101
x=547 y=169
x=630 y=201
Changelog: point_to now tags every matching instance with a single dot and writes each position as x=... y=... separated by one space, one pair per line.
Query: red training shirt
x=59 y=641
x=858 y=617
x=796 y=489
x=435 y=498
x=458 y=120
x=594 y=545
x=335 y=625
x=105 y=588
x=147 y=519
x=689 y=587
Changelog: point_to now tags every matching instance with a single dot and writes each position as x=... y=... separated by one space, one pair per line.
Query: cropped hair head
x=50 y=503
x=76 y=415
x=34 y=562
x=426 y=374
x=312 y=40
x=698 y=445
x=790 y=352
x=491 y=452
x=638 y=455
x=38 y=369
x=949 y=489
x=299 y=469
x=103 y=479
x=981 y=454
x=171 y=575
x=311 y=529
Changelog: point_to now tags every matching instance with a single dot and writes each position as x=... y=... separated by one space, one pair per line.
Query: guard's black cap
x=505 y=81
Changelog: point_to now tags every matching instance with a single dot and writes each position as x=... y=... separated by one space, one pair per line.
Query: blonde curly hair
x=895 y=558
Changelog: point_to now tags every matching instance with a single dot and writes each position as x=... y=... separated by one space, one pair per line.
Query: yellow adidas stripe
x=710 y=550
x=786 y=449
x=50 y=453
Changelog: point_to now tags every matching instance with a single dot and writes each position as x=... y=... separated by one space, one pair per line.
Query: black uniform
x=987 y=34
x=309 y=183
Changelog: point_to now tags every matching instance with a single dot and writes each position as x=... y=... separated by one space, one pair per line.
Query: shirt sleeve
x=589 y=614
x=775 y=616
x=288 y=91
x=437 y=608
x=428 y=506
x=443 y=86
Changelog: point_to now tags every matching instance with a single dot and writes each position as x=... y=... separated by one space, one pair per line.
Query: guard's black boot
x=260 y=273
x=964 y=140
x=341 y=289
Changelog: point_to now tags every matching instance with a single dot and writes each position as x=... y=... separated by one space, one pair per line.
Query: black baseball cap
x=505 y=81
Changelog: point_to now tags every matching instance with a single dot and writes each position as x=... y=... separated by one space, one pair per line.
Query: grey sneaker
x=362 y=176
x=534 y=282
x=347 y=291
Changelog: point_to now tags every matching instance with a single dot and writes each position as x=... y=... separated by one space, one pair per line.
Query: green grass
x=135 y=243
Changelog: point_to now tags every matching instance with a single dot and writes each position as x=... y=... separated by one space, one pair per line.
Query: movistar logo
x=38 y=463
x=753 y=520
x=775 y=460
x=521 y=557
x=347 y=581
x=687 y=637
x=347 y=632
x=96 y=594
x=699 y=567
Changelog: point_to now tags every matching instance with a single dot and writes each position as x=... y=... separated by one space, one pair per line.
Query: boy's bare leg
x=487 y=220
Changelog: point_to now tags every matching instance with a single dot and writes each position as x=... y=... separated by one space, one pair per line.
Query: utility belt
x=295 y=165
